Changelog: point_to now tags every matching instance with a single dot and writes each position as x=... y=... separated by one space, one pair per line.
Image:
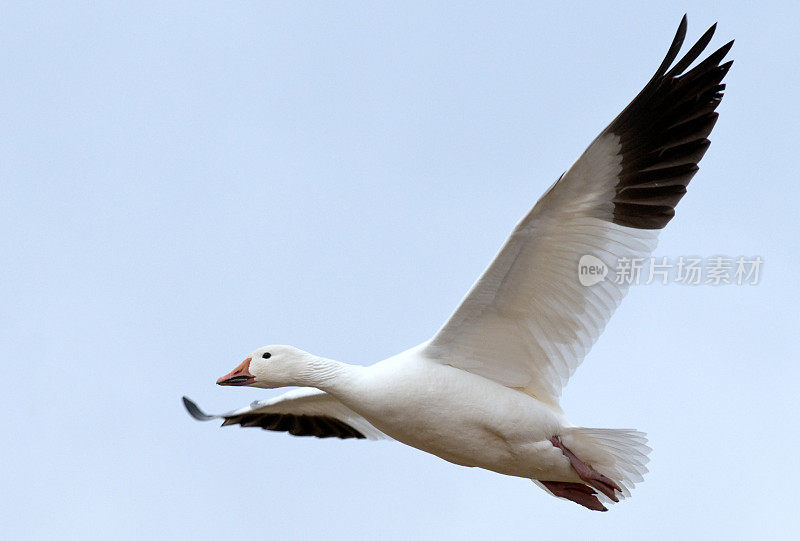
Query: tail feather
x=620 y=454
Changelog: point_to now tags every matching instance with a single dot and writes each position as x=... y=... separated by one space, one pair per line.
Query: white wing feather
x=528 y=322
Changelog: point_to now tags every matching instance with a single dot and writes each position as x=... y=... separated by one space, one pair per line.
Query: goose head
x=268 y=367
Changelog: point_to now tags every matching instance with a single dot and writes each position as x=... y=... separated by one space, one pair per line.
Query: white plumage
x=484 y=391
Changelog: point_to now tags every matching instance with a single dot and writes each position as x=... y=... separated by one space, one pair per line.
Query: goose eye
x=266 y=355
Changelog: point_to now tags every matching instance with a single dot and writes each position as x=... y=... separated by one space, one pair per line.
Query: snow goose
x=484 y=391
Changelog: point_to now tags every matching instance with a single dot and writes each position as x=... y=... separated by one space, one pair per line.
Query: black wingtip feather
x=195 y=411
x=674 y=49
x=710 y=62
x=663 y=132
x=319 y=426
x=693 y=53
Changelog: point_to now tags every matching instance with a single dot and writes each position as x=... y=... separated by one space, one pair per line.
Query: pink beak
x=240 y=376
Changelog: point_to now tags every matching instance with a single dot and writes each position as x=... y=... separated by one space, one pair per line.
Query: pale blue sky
x=183 y=183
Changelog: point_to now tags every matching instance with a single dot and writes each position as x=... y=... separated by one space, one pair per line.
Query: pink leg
x=588 y=474
x=576 y=492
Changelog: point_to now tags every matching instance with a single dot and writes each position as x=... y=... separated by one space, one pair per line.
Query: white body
x=457 y=415
x=484 y=391
x=421 y=403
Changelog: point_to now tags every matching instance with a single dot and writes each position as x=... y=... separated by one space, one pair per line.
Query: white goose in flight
x=484 y=391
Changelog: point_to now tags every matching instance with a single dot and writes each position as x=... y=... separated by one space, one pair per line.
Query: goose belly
x=465 y=419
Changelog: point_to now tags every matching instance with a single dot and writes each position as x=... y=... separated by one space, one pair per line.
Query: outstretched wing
x=302 y=412
x=528 y=322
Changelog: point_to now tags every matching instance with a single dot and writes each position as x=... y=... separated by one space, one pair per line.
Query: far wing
x=302 y=412
x=528 y=322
